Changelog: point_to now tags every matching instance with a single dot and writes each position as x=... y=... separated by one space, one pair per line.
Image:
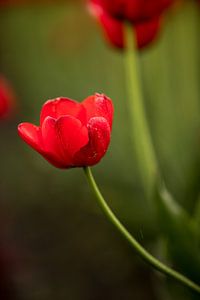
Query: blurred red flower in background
x=134 y=10
x=145 y=17
x=71 y=134
x=7 y=98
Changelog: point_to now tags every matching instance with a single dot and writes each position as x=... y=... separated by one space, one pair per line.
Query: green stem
x=141 y=135
x=156 y=264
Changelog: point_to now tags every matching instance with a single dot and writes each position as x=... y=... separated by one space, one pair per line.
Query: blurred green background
x=54 y=241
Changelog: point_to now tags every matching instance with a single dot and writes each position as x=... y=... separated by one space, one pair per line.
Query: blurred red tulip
x=7 y=98
x=145 y=17
x=134 y=10
x=71 y=134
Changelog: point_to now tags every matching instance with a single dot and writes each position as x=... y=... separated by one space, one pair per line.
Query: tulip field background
x=55 y=243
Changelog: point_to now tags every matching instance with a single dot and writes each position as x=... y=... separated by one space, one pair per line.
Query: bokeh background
x=55 y=243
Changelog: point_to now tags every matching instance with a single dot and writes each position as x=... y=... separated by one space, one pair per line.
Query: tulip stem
x=146 y=157
x=145 y=255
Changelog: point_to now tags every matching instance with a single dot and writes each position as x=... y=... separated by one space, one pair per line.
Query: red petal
x=72 y=134
x=7 y=97
x=52 y=146
x=113 y=28
x=99 y=139
x=62 y=138
x=58 y=107
x=151 y=9
x=122 y=9
x=99 y=105
x=147 y=31
x=31 y=134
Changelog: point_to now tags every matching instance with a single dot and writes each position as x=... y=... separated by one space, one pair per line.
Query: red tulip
x=144 y=17
x=6 y=98
x=71 y=134
x=134 y=10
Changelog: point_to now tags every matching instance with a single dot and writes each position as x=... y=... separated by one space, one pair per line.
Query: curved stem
x=146 y=256
x=146 y=157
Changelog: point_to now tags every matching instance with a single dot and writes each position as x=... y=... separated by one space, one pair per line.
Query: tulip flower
x=145 y=19
x=71 y=134
x=6 y=98
x=134 y=10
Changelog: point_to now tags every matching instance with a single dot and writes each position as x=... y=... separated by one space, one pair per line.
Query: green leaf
x=181 y=233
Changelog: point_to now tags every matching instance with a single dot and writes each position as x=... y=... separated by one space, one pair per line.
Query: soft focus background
x=54 y=241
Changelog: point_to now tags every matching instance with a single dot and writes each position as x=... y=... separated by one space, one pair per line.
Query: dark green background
x=55 y=242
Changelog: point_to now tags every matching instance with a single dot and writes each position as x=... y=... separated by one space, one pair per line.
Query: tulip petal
x=7 y=98
x=58 y=107
x=52 y=146
x=112 y=28
x=99 y=105
x=153 y=8
x=99 y=139
x=31 y=134
x=122 y=9
x=147 y=31
x=62 y=138
x=72 y=135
